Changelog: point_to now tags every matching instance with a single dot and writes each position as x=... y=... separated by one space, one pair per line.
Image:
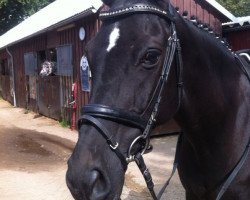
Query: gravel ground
x=34 y=151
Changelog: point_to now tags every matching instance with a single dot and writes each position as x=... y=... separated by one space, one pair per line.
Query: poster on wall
x=85 y=74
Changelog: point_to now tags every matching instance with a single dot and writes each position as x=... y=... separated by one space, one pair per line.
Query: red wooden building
x=238 y=33
x=53 y=34
x=207 y=11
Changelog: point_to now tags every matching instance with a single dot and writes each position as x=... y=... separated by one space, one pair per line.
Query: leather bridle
x=91 y=113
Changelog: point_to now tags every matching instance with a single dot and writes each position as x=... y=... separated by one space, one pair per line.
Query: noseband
x=91 y=112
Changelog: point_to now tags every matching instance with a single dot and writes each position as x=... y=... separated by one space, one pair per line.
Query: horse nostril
x=99 y=185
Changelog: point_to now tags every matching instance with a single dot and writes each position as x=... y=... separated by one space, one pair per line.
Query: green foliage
x=13 y=12
x=32 y=6
x=237 y=7
x=64 y=123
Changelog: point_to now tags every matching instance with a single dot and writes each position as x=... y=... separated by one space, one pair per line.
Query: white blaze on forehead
x=114 y=36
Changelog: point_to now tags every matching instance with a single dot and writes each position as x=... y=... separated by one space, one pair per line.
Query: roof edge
x=54 y=26
x=221 y=9
x=235 y=28
x=239 y=20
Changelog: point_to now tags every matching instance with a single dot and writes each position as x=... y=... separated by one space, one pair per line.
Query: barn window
x=46 y=55
x=52 y=55
x=41 y=57
x=64 y=60
x=30 y=63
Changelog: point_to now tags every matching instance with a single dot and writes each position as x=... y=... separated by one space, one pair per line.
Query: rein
x=91 y=112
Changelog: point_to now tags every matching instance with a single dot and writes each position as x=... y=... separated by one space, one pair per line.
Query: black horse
x=137 y=80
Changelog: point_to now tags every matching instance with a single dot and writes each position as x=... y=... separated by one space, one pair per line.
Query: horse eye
x=150 y=58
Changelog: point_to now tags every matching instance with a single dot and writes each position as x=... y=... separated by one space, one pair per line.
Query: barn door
x=65 y=71
x=30 y=68
x=49 y=88
x=54 y=91
x=5 y=89
x=49 y=97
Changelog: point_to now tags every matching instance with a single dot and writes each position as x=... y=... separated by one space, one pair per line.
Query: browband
x=135 y=9
x=114 y=114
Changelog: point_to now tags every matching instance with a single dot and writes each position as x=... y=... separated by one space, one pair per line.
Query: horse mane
x=207 y=31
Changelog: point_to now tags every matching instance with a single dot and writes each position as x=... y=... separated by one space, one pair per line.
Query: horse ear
x=108 y=2
x=166 y=5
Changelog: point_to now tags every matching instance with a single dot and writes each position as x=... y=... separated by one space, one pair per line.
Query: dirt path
x=34 y=151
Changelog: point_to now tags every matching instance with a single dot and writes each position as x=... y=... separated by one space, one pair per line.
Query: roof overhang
x=223 y=11
x=56 y=14
x=240 y=23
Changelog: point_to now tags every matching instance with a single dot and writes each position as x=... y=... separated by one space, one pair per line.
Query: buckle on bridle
x=114 y=146
x=131 y=156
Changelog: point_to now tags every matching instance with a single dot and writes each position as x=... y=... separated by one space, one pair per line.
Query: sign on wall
x=85 y=74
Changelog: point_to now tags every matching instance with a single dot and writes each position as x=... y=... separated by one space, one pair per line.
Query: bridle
x=92 y=112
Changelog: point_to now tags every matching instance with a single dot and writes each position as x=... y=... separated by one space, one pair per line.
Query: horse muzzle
x=91 y=184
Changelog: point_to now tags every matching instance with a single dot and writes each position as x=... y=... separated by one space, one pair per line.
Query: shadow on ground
x=29 y=150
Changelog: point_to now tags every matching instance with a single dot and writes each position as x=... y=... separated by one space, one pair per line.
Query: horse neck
x=214 y=112
x=212 y=80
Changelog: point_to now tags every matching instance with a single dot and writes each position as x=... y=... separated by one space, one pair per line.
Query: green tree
x=237 y=7
x=13 y=12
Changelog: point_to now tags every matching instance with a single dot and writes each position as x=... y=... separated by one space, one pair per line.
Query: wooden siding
x=71 y=36
x=21 y=81
x=204 y=12
x=53 y=39
x=238 y=39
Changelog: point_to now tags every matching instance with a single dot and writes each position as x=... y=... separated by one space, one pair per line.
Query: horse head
x=47 y=68
x=126 y=58
x=137 y=81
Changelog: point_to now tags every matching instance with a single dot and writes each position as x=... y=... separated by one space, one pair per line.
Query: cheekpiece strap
x=135 y=9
